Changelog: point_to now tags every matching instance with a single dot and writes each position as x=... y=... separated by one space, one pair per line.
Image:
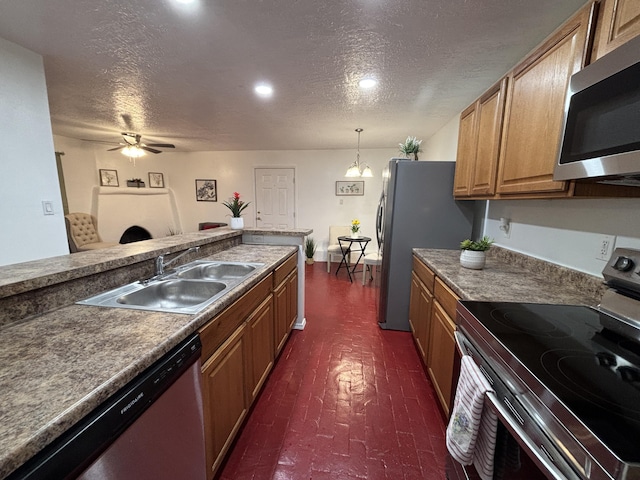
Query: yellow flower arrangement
x=355 y=226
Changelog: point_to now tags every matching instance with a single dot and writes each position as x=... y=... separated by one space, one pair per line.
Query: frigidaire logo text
x=131 y=403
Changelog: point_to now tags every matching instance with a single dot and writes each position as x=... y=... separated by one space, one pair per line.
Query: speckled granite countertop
x=57 y=367
x=511 y=277
x=27 y=276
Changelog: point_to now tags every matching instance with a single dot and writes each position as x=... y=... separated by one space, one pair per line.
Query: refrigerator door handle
x=380 y=220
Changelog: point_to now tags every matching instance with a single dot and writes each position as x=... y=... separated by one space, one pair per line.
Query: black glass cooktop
x=575 y=352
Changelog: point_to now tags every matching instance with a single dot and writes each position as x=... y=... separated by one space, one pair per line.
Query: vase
x=309 y=261
x=355 y=235
x=473 y=259
x=237 y=223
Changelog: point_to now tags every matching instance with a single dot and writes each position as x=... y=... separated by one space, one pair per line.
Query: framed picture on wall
x=206 y=190
x=156 y=180
x=109 y=178
x=350 y=187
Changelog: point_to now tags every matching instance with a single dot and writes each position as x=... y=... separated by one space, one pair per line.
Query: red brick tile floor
x=345 y=400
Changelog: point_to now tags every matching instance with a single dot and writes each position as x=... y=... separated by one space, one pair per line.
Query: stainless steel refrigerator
x=416 y=210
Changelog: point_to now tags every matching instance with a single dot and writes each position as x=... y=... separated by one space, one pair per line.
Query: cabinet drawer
x=446 y=297
x=423 y=272
x=283 y=271
x=214 y=333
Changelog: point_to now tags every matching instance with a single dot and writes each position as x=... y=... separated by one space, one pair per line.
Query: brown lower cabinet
x=239 y=347
x=431 y=311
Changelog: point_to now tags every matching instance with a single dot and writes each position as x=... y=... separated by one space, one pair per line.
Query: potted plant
x=355 y=228
x=135 y=182
x=309 y=250
x=411 y=146
x=236 y=206
x=473 y=254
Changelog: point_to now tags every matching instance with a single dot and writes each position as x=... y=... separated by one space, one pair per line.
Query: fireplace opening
x=135 y=234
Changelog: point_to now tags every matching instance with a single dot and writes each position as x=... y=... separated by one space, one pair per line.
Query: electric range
x=566 y=377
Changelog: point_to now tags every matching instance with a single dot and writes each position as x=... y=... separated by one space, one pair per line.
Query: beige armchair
x=82 y=233
x=333 y=250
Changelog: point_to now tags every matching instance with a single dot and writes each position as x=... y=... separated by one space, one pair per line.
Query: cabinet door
x=535 y=110
x=261 y=338
x=442 y=349
x=286 y=309
x=489 y=127
x=280 y=301
x=224 y=397
x=618 y=22
x=466 y=155
x=293 y=299
x=420 y=315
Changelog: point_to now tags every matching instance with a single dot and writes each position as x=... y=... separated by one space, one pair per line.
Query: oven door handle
x=539 y=452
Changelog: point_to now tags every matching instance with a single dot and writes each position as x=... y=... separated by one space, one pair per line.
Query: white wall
x=563 y=231
x=27 y=162
x=316 y=174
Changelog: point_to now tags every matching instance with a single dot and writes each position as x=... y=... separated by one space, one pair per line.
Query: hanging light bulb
x=356 y=169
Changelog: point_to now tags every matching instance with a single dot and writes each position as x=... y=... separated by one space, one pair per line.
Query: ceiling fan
x=133 y=146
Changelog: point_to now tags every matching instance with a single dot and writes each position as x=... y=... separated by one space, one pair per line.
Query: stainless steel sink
x=172 y=294
x=218 y=271
x=188 y=289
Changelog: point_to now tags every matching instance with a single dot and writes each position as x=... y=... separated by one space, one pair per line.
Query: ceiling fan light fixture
x=133 y=151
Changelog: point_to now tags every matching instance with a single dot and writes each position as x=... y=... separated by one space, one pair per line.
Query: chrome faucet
x=161 y=265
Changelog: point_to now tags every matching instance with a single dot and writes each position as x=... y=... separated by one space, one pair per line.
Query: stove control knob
x=623 y=264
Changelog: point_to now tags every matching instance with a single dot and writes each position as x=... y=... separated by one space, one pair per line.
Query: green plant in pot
x=310 y=249
x=411 y=147
x=473 y=254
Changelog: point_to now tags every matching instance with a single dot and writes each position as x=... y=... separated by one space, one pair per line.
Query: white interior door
x=275 y=206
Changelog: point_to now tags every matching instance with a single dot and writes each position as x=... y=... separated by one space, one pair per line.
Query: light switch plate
x=47 y=207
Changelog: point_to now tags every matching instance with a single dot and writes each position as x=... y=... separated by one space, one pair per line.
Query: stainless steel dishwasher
x=151 y=429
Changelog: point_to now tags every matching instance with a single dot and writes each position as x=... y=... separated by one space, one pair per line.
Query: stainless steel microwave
x=601 y=134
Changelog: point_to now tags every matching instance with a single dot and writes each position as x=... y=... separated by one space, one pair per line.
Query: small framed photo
x=109 y=178
x=156 y=180
x=350 y=187
x=206 y=190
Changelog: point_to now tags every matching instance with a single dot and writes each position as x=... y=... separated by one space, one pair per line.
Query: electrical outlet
x=605 y=247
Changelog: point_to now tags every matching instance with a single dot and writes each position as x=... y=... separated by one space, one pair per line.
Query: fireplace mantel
x=118 y=208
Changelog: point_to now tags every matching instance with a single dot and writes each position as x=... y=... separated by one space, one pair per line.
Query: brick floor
x=345 y=400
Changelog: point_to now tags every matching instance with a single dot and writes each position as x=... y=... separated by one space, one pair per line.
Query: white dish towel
x=471 y=433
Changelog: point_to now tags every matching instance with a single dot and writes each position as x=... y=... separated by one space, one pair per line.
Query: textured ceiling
x=185 y=74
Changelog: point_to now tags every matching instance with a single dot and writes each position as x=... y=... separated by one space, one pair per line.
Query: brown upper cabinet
x=509 y=138
x=480 y=130
x=535 y=109
x=618 y=22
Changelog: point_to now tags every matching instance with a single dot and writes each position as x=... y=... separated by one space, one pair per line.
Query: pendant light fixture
x=357 y=169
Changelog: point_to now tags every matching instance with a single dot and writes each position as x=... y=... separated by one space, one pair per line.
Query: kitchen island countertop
x=58 y=366
x=510 y=277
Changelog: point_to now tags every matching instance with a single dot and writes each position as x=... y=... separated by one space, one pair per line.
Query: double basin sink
x=188 y=289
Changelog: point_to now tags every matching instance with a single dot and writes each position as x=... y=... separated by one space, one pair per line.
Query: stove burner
x=524 y=321
x=602 y=385
x=629 y=374
x=606 y=359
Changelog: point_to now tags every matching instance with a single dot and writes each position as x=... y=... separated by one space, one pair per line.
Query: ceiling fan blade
x=114 y=149
x=152 y=150
x=161 y=145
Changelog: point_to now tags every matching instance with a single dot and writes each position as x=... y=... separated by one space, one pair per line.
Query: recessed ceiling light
x=264 y=90
x=185 y=1
x=368 y=83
